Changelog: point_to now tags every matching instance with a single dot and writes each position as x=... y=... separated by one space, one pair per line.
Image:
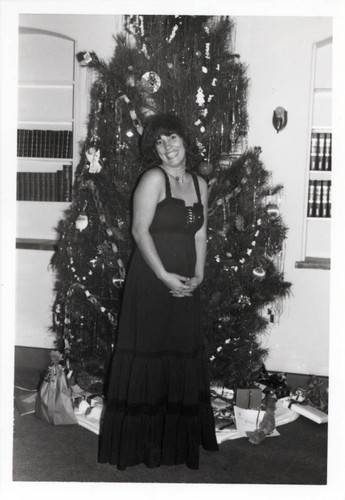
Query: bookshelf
x=318 y=185
x=45 y=131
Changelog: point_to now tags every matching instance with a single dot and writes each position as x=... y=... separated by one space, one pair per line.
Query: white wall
x=278 y=52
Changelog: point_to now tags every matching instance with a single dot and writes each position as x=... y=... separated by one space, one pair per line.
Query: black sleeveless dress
x=158 y=409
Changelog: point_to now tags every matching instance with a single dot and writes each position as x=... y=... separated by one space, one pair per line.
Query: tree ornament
x=224 y=161
x=173 y=33
x=130 y=81
x=82 y=222
x=244 y=300
x=150 y=82
x=205 y=168
x=117 y=282
x=207 y=50
x=200 y=98
x=136 y=122
x=247 y=166
x=84 y=58
x=239 y=223
x=149 y=108
x=198 y=54
x=259 y=273
x=92 y=156
x=272 y=211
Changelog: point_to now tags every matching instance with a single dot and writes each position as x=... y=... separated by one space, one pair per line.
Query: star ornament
x=93 y=157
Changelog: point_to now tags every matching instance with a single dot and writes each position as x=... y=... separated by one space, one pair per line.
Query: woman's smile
x=171 y=150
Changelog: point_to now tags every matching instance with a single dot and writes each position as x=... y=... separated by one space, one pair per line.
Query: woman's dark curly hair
x=166 y=124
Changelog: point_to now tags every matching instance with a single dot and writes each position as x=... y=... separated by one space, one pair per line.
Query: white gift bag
x=247 y=420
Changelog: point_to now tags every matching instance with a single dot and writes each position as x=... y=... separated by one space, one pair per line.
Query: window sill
x=314 y=263
x=35 y=244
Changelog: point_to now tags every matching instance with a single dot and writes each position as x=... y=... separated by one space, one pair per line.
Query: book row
x=45 y=186
x=321 y=151
x=319 y=199
x=44 y=143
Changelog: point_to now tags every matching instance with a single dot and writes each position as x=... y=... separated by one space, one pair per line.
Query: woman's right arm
x=146 y=198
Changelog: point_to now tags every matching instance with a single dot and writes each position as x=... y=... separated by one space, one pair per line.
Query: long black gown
x=158 y=409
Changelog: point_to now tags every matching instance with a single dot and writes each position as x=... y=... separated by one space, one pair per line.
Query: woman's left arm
x=200 y=241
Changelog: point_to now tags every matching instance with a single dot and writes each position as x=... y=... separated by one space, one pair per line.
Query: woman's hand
x=177 y=284
x=190 y=285
x=194 y=282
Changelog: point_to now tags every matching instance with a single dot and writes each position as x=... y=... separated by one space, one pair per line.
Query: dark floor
x=69 y=453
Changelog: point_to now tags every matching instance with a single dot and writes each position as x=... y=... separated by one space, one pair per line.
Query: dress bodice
x=173 y=215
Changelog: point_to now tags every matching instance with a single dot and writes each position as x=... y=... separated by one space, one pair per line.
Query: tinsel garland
x=67 y=333
x=224 y=200
x=111 y=231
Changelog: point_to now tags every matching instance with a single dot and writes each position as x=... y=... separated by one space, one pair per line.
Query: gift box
x=248 y=398
x=306 y=410
x=220 y=390
x=89 y=414
x=26 y=403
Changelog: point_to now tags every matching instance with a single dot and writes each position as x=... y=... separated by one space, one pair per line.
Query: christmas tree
x=183 y=65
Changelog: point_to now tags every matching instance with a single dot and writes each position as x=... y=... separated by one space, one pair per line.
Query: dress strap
x=167 y=184
x=197 y=187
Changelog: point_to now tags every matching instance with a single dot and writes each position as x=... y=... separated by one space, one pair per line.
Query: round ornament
x=205 y=168
x=198 y=53
x=224 y=161
x=151 y=82
x=259 y=273
x=272 y=210
x=170 y=65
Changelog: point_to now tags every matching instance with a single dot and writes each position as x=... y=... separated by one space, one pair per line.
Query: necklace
x=179 y=174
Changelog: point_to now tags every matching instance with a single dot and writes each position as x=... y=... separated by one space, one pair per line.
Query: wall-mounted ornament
x=280 y=118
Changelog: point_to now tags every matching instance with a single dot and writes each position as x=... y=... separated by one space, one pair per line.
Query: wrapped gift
x=26 y=403
x=222 y=404
x=89 y=416
x=220 y=390
x=54 y=397
x=306 y=410
x=248 y=398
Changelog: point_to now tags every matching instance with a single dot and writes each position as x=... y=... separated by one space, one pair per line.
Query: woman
x=158 y=408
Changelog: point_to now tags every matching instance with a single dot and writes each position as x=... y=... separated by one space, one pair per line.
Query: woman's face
x=171 y=150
